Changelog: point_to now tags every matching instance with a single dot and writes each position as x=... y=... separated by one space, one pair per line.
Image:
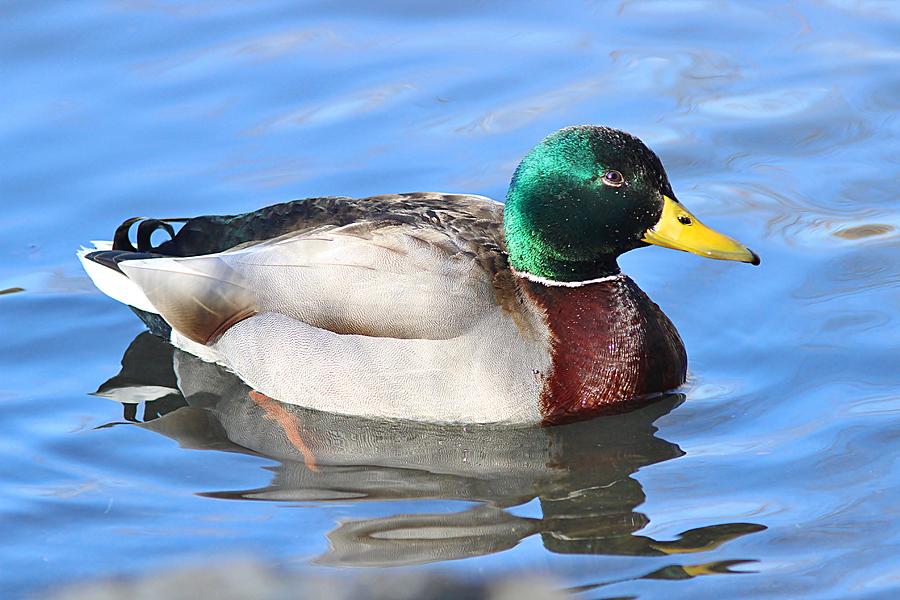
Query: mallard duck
x=431 y=306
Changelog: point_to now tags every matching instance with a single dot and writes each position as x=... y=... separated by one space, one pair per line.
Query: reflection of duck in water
x=433 y=307
x=580 y=472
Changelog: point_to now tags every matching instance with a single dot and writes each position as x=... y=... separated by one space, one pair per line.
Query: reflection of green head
x=579 y=199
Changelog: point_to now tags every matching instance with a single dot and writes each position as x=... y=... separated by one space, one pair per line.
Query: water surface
x=777 y=122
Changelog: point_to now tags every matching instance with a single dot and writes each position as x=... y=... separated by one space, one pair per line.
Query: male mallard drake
x=428 y=306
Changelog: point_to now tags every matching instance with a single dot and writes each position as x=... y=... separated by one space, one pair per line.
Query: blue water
x=777 y=122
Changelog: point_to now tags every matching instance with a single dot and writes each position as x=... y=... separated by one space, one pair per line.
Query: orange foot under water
x=276 y=411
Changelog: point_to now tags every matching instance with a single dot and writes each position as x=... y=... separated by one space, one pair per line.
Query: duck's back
x=474 y=221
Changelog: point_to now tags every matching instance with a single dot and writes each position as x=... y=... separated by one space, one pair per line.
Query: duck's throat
x=610 y=344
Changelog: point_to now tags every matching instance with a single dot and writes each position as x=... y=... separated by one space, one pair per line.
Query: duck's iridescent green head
x=585 y=195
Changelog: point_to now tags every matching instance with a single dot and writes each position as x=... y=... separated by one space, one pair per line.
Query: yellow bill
x=680 y=230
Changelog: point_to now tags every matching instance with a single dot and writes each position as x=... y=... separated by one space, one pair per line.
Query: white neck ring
x=572 y=284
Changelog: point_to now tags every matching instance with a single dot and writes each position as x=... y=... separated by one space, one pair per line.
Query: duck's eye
x=613 y=178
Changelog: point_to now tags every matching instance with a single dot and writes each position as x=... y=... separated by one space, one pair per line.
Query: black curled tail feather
x=146 y=229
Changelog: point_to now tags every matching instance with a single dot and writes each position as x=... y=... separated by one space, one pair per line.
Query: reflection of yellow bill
x=680 y=230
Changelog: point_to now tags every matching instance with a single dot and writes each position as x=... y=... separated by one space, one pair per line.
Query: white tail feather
x=113 y=283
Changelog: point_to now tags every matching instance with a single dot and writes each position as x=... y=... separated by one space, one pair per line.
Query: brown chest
x=610 y=344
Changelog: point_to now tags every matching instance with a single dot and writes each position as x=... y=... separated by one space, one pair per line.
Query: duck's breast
x=609 y=344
